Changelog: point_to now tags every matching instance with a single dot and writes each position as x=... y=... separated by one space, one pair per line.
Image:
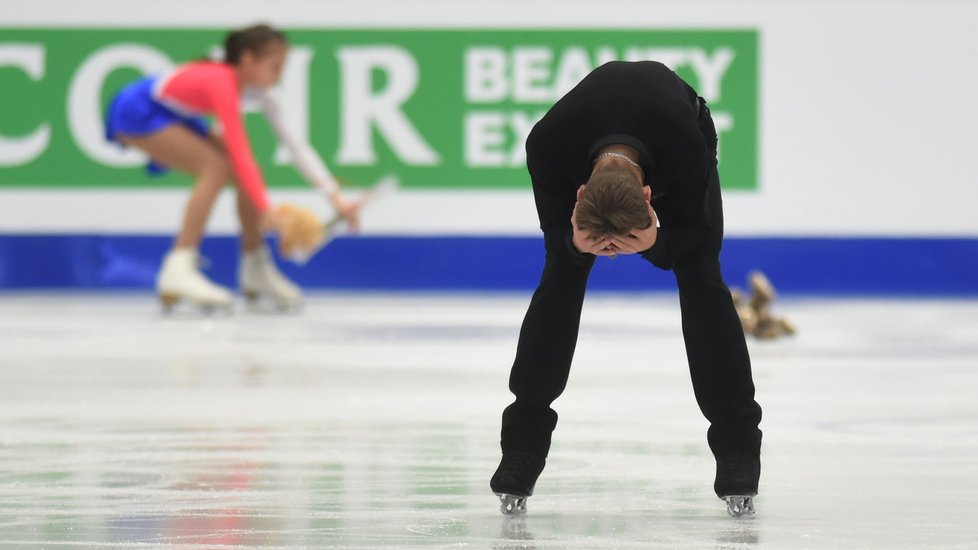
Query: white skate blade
x=511 y=505
x=739 y=506
x=264 y=303
x=170 y=307
x=170 y=302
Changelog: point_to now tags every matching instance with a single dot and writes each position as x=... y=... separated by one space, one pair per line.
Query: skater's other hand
x=274 y=219
x=585 y=243
x=637 y=240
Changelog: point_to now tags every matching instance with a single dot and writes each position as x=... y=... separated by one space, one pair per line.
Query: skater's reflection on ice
x=737 y=534
x=514 y=535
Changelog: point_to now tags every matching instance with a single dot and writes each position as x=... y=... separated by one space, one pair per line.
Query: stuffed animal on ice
x=755 y=313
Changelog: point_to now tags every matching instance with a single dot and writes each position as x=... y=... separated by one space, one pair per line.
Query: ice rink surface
x=371 y=421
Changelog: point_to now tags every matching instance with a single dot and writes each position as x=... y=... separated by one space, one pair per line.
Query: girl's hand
x=350 y=210
x=274 y=219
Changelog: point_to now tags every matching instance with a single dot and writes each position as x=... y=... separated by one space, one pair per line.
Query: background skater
x=162 y=115
x=640 y=138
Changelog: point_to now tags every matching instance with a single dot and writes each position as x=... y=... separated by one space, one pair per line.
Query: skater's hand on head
x=637 y=240
x=585 y=243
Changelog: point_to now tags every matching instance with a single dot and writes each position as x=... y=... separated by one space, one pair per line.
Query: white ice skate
x=180 y=279
x=260 y=278
x=739 y=505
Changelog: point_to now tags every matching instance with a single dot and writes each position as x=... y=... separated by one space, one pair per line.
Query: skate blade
x=739 y=506
x=259 y=302
x=169 y=303
x=511 y=505
x=293 y=308
x=211 y=309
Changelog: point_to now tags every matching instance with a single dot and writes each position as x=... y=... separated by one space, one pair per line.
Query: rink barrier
x=844 y=266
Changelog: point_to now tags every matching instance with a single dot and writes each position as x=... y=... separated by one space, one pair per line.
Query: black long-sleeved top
x=641 y=104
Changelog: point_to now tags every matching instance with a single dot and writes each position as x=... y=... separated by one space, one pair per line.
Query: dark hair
x=253 y=39
x=613 y=203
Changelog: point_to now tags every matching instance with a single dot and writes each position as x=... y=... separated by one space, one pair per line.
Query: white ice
x=372 y=420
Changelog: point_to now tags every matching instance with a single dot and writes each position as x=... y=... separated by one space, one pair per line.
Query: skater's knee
x=220 y=172
x=214 y=169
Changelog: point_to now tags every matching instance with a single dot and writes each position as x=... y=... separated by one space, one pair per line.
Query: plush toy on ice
x=755 y=313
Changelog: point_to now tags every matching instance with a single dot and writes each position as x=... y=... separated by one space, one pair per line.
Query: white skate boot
x=260 y=278
x=180 y=279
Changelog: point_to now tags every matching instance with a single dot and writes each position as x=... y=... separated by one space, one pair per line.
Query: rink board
x=900 y=266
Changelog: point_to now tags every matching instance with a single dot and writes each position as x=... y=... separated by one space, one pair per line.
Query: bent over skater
x=645 y=144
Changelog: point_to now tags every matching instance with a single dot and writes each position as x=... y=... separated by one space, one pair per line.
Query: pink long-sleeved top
x=211 y=88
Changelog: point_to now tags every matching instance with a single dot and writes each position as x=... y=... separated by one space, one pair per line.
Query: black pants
x=715 y=346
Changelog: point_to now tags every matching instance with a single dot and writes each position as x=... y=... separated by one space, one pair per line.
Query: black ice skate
x=736 y=482
x=514 y=480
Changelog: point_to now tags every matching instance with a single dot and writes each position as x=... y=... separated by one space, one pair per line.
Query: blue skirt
x=134 y=112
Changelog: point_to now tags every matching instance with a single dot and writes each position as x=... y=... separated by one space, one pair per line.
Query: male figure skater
x=645 y=144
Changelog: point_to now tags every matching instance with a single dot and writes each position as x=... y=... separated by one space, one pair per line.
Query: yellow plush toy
x=755 y=314
x=302 y=233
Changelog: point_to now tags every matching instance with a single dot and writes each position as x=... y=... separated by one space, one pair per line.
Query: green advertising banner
x=446 y=109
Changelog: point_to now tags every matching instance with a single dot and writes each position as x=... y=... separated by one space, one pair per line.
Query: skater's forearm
x=660 y=255
x=560 y=242
x=674 y=242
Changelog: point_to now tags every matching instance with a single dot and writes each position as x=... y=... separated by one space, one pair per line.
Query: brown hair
x=252 y=39
x=613 y=203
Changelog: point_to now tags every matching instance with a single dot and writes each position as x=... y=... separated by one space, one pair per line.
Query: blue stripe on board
x=923 y=266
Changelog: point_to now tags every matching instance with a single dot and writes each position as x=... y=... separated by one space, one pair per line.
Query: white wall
x=868 y=108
